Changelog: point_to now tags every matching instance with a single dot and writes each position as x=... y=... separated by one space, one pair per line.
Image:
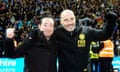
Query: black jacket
x=40 y=54
x=73 y=47
x=1 y=47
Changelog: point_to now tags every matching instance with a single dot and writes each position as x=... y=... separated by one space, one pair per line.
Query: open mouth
x=70 y=26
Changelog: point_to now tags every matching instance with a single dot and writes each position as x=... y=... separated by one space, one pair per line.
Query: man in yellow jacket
x=106 y=55
x=94 y=56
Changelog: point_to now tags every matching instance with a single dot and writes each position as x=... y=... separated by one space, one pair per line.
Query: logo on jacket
x=81 y=42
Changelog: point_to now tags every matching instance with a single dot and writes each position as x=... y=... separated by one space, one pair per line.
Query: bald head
x=67 y=11
x=68 y=20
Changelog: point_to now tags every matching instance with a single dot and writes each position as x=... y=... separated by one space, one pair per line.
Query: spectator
x=106 y=56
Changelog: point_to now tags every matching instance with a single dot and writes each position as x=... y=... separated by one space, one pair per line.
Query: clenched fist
x=111 y=16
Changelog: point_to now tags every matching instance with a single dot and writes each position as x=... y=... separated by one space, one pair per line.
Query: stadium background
x=24 y=15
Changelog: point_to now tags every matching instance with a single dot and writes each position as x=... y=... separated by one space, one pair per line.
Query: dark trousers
x=94 y=65
x=106 y=64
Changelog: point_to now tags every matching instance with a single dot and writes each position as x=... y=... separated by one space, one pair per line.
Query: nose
x=48 y=28
x=69 y=21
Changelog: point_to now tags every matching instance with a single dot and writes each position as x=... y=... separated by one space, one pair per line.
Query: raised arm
x=20 y=51
x=106 y=31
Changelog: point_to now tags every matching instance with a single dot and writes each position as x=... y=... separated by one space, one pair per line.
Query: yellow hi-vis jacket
x=92 y=54
x=108 y=50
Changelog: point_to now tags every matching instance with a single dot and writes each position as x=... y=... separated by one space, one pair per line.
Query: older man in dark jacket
x=74 y=41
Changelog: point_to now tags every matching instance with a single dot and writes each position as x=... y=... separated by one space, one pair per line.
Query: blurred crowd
x=24 y=15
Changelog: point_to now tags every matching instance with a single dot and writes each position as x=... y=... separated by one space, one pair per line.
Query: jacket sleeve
x=9 y=48
x=106 y=31
x=20 y=51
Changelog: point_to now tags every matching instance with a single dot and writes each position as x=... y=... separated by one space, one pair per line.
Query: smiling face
x=47 y=26
x=68 y=20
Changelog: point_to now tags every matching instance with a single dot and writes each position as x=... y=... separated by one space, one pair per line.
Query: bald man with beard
x=74 y=40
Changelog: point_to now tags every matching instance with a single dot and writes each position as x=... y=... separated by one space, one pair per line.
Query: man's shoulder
x=83 y=28
x=59 y=27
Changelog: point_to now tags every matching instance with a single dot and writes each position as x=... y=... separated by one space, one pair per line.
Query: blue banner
x=116 y=62
x=11 y=65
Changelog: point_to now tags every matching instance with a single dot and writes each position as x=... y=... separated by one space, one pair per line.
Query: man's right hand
x=10 y=33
